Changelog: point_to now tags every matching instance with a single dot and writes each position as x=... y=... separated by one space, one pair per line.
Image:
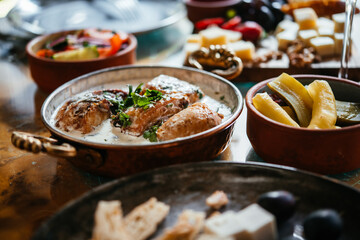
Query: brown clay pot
x=49 y=74
x=323 y=151
x=198 y=10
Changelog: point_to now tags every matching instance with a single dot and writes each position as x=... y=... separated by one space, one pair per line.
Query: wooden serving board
x=328 y=66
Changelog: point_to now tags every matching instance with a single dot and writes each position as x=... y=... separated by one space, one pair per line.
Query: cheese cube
x=191 y=47
x=213 y=36
x=306 y=18
x=306 y=35
x=326 y=32
x=223 y=225
x=324 y=46
x=258 y=223
x=243 y=49
x=339 y=20
x=193 y=38
x=285 y=38
x=323 y=22
x=232 y=36
x=339 y=38
x=286 y=25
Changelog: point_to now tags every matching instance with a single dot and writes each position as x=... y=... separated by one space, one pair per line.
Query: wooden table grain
x=35 y=186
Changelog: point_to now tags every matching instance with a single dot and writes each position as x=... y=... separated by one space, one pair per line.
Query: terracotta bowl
x=198 y=10
x=49 y=74
x=323 y=151
x=128 y=158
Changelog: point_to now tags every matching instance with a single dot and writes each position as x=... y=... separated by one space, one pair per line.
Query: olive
x=265 y=18
x=280 y=203
x=323 y=224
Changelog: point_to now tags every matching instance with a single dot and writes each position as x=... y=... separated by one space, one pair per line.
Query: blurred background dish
x=200 y=9
x=326 y=151
x=43 y=17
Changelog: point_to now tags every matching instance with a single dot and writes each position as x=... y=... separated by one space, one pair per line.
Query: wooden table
x=33 y=187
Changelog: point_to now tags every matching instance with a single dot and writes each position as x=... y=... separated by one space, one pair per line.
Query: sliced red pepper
x=203 y=24
x=232 y=23
x=115 y=42
x=104 y=52
x=47 y=53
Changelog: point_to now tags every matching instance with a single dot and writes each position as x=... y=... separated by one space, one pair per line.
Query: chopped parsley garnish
x=199 y=93
x=133 y=99
x=151 y=133
x=121 y=119
x=222 y=98
x=149 y=97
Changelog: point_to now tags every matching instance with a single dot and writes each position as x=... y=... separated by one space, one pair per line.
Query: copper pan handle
x=35 y=144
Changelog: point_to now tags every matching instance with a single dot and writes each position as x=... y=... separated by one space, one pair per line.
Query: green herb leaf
x=151 y=133
x=121 y=119
x=200 y=94
x=149 y=97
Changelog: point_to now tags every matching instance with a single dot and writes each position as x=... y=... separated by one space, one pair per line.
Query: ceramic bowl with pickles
x=310 y=122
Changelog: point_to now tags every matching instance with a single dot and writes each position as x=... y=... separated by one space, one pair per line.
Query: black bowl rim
x=223 y=126
x=268 y=166
x=254 y=89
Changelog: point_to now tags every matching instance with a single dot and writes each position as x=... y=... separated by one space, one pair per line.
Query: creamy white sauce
x=106 y=133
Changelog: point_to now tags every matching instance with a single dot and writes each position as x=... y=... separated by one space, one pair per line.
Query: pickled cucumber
x=324 y=108
x=77 y=54
x=348 y=113
x=264 y=104
x=295 y=95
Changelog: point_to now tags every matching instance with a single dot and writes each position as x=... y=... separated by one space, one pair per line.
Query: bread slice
x=109 y=223
x=217 y=200
x=188 y=226
x=143 y=220
x=206 y=236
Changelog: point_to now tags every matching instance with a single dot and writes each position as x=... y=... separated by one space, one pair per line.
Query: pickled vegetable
x=324 y=108
x=296 y=96
x=264 y=104
x=290 y=111
x=347 y=113
x=77 y=54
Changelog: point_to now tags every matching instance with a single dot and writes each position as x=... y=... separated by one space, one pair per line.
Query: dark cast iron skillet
x=187 y=186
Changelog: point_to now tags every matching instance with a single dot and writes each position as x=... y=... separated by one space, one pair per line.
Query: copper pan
x=123 y=159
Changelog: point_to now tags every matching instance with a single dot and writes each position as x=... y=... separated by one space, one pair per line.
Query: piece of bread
x=217 y=200
x=143 y=220
x=206 y=236
x=187 y=227
x=109 y=224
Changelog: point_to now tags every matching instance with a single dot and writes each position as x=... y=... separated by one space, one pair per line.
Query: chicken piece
x=176 y=96
x=87 y=112
x=217 y=200
x=188 y=226
x=141 y=119
x=196 y=118
x=170 y=85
